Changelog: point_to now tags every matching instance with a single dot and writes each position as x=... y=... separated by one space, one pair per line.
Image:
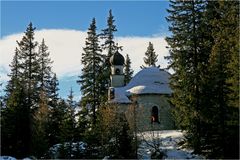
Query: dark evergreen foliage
x=223 y=80
x=128 y=70
x=83 y=122
x=40 y=143
x=68 y=125
x=45 y=72
x=151 y=57
x=24 y=76
x=110 y=47
x=108 y=36
x=113 y=134
x=90 y=79
x=188 y=60
x=15 y=131
x=204 y=81
x=30 y=66
x=27 y=99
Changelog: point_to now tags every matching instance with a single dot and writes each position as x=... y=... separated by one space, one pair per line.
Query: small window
x=117 y=71
x=154 y=117
x=111 y=94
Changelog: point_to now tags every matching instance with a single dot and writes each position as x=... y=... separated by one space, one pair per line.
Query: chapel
x=147 y=93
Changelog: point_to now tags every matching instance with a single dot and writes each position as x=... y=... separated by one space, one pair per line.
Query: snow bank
x=54 y=151
x=168 y=143
x=7 y=158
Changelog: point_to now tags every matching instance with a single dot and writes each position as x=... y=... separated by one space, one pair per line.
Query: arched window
x=117 y=71
x=111 y=93
x=154 y=117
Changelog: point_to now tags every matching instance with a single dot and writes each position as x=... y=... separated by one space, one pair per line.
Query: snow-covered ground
x=7 y=158
x=167 y=142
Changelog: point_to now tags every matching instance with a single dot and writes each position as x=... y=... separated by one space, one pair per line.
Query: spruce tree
x=91 y=72
x=15 y=116
x=70 y=100
x=70 y=115
x=83 y=122
x=110 y=47
x=45 y=66
x=224 y=82
x=41 y=117
x=71 y=106
x=21 y=93
x=1 y=97
x=128 y=70
x=15 y=124
x=53 y=91
x=151 y=56
x=188 y=58
x=115 y=136
x=108 y=36
x=28 y=94
x=14 y=74
x=30 y=65
x=40 y=141
x=56 y=112
x=68 y=126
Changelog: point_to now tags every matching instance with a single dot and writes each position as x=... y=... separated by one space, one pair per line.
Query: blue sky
x=132 y=17
x=142 y=19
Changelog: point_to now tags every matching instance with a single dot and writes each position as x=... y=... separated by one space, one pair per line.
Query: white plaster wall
x=142 y=110
x=117 y=80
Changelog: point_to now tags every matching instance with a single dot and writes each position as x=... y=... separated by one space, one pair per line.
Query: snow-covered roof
x=151 y=80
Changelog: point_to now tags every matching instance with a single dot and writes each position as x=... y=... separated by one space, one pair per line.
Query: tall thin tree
x=128 y=70
x=188 y=58
x=45 y=66
x=92 y=62
x=30 y=64
x=110 y=47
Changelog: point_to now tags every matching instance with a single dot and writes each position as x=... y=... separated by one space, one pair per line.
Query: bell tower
x=117 y=75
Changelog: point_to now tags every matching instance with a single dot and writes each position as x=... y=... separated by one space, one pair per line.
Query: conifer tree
x=45 y=66
x=53 y=91
x=91 y=72
x=14 y=118
x=204 y=66
x=30 y=65
x=28 y=97
x=110 y=47
x=128 y=70
x=82 y=121
x=40 y=136
x=151 y=56
x=108 y=36
x=22 y=95
x=115 y=135
x=15 y=73
x=69 y=123
x=71 y=106
x=15 y=124
x=70 y=101
x=41 y=131
x=224 y=82
x=188 y=58
x=1 y=97
x=56 y=112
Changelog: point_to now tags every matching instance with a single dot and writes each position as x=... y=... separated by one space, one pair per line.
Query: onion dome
x=117 y=59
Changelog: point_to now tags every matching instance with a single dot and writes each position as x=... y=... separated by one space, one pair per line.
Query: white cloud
x=137 y=46
x=65 y=48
